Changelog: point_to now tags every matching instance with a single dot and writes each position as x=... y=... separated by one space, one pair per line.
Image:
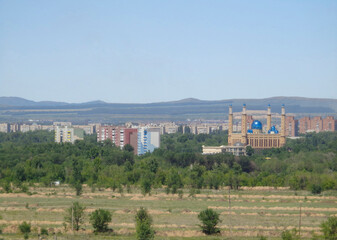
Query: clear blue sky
x=149 y=51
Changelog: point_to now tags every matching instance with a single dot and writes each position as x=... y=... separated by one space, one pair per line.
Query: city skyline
x=148 y=51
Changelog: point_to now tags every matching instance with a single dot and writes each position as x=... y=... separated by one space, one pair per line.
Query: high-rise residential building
x=129 y=136
x=291 y=126
x=304 y=125
x=317 y=124
x=142 y=139
x=329 y=124
x=148 y=139
x=119 y=135
x=64 y=134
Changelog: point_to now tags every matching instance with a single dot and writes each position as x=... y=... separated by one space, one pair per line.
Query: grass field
x=252 y=213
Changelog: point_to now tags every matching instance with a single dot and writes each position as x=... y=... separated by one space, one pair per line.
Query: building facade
x=148 y=139
x=64 y=134
x=68 y=134
x=291 y=126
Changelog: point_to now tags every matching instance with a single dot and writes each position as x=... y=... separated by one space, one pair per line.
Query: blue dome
x=257 y=125
x=273 y=130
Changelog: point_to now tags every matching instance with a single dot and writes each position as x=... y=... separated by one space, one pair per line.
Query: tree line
x=33 y=157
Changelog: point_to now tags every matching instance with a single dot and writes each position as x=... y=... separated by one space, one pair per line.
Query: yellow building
x=254 y=137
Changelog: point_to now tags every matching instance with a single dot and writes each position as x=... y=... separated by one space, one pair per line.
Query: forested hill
x=21 y=109
x=32 y=157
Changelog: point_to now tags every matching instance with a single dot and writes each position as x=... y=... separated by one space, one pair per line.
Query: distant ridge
x=21 y=102
x=15 y=108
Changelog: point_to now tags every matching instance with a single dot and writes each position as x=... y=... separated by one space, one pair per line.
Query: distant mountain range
x=20 y=109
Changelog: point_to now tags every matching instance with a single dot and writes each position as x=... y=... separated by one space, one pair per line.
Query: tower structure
x=283 y=126
x=244 y=125
x=269 y=117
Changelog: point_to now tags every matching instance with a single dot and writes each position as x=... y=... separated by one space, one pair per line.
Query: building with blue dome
x=255 y=137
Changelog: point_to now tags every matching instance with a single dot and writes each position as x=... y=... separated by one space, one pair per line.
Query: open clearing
x=253 y=212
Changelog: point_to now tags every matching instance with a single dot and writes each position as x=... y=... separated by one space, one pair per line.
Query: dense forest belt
x=308 y=163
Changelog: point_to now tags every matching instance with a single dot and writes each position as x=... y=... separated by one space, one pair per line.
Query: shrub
x=167 y=190
x=192 y=192
x=329 y=228
x=7 y=187
x=100 y=220
x=209 y=219
x=174 y=189
x=25 y=229
x=24 y=188
x=316 y=189
x=44 y=231
x=75 y=215
x=289 y=235
x=144 y=229
x=180 y=194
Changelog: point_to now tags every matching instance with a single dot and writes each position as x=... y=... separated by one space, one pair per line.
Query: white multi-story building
x=4 y=127
x=148 y=139
x=68 y=134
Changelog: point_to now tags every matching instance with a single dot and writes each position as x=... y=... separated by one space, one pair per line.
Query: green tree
x=249 y=150
x=25 y=229
x=97 y=168
x=128 y=148
x=146 y=185
x=316 y=188
x=77 y=177
x=329 y=228
x=44 y=232
x=144 y=230
x=100 y=220
x=209 y=219
x=75 y=215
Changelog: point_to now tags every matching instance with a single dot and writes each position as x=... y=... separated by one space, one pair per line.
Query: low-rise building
x=4 y=127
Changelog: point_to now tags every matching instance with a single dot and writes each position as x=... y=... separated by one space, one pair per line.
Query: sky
x=151 y=51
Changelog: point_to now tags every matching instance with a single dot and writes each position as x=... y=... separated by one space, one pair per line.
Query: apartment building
x=4 y=127
x=68 y=134
x=317 y=124
x=148 y=139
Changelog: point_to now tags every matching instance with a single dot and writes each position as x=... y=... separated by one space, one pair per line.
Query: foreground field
x=252 y=212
